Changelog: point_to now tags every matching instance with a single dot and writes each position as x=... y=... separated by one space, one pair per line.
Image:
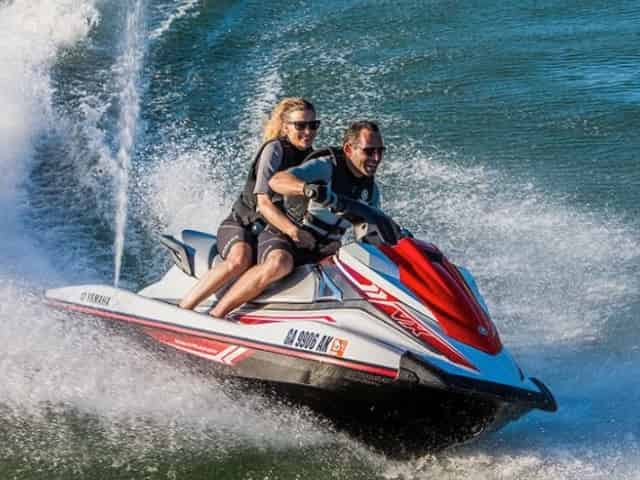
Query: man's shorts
x=230 y=232
x=272 y=239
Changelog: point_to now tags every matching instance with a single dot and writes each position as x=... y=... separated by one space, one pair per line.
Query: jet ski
x=387 y=338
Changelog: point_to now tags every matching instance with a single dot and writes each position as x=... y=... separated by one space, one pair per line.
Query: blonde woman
x=288 y=138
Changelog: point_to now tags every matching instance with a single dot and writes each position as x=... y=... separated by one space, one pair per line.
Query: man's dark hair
x=352 y=133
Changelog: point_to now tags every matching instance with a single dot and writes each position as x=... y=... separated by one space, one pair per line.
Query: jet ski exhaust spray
x=127 y=70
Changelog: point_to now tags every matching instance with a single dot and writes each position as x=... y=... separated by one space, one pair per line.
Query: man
x=310 y=189
x=307 y=189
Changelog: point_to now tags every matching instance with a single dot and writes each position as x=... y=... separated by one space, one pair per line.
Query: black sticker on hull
x=303 y=339
x=95 y=298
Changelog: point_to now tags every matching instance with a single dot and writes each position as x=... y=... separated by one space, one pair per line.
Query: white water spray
x=32 y=34
x=128 y=72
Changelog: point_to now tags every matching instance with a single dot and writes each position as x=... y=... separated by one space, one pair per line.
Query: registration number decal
x=315 y=342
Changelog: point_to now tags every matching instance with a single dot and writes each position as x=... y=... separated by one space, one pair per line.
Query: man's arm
x=291 y=182
x=400 y=231
x=375 y=196
x=287 y=184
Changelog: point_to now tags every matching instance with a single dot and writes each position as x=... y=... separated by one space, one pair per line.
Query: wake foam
x=172 y=13
x=78 y=371
x=550 y=272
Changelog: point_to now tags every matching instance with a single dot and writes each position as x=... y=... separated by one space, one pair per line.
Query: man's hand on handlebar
x=320 y=193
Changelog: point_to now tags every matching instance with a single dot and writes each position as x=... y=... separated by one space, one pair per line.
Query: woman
x=288 y=138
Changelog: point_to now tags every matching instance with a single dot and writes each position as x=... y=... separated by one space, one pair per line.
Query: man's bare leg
x=238 y=261
x=278 y=264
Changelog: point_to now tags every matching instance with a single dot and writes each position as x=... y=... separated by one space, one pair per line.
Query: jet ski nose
x=443 y=290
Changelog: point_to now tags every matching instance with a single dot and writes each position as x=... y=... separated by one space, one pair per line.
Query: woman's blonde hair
x=273 y=127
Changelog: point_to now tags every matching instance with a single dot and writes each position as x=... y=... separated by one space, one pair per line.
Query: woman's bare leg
x=278 y=264
x=238 y=261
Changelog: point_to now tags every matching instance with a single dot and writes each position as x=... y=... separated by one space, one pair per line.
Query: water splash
x=32 y=35
x=128 y=73
x=184 y=186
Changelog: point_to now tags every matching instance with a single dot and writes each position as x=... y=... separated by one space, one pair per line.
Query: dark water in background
x=513 y=144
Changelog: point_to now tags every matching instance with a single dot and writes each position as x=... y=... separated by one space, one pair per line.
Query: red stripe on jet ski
x=221 y=352
x=363 y=367
x=392 y=307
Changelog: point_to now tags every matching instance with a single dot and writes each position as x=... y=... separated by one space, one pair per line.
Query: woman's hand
x=302 y=238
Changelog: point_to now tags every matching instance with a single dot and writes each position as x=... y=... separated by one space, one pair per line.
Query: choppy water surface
x=512 y=135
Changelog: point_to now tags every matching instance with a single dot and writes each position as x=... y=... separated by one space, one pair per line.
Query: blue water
x=512 y=144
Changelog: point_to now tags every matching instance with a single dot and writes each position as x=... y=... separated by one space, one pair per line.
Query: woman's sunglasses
x=302 y=126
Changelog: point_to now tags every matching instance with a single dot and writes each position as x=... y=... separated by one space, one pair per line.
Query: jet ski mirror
x=367 y=232
x=370 y=222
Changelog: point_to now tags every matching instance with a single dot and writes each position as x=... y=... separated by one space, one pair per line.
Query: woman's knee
x=240 y=257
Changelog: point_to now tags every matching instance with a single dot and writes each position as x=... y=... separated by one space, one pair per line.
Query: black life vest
x=343 y=183
x=245 y=206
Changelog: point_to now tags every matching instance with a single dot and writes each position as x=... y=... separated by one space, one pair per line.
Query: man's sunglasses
x=368 y=151
x=302 y=126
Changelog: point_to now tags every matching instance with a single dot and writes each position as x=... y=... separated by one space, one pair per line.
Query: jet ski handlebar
x=369 y=221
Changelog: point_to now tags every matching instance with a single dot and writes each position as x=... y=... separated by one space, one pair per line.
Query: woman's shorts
x=273 y=239
x=230 y=232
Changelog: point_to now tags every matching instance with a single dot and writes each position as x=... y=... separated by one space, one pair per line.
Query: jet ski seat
x=196 y=253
